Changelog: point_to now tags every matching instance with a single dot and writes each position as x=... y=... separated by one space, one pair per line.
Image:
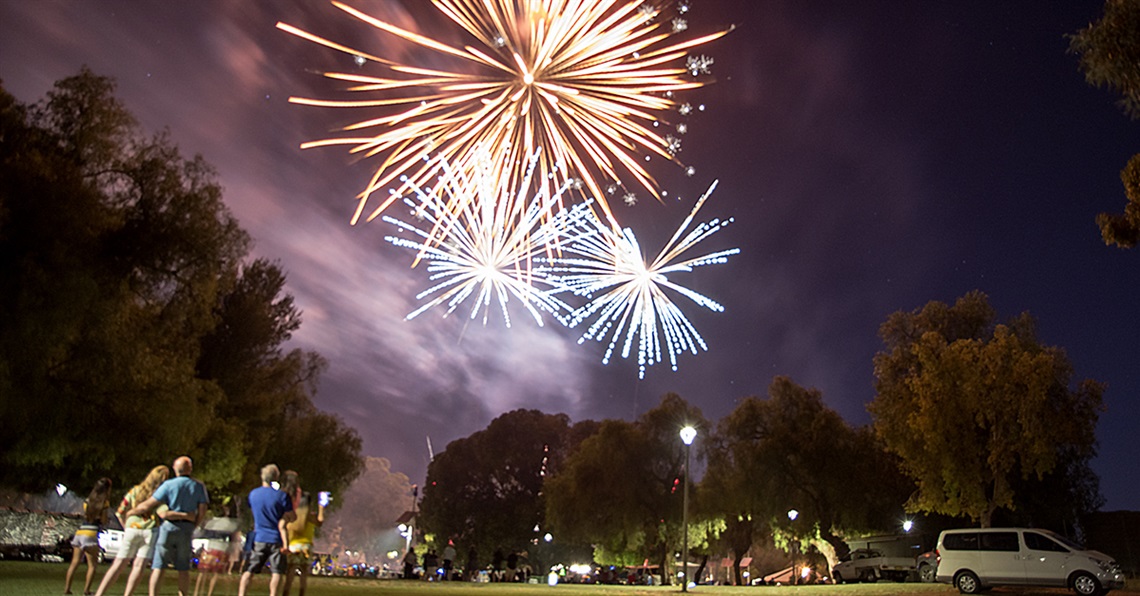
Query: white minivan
x=976 y=559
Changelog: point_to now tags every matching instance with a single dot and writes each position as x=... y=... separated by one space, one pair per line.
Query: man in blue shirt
x=186 y=500
x=272 y=511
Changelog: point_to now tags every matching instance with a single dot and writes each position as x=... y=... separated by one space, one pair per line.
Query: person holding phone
x=301 y=533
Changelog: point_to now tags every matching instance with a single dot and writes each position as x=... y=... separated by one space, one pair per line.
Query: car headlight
x=1105 y=566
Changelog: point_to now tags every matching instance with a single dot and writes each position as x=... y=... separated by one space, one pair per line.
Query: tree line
x=974 y=422
x=134 y=325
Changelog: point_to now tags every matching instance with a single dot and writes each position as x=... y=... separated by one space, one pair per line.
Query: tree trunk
x=832 y=547
x=988 y=515
x=829 y=551
x=736 y=579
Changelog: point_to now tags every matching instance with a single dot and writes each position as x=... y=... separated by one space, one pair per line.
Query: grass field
x=18 y=578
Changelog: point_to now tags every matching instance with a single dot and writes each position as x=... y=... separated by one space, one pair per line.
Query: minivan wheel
x=1086 y=585
x=926 y=573
x=967 y=583
x=838 y=578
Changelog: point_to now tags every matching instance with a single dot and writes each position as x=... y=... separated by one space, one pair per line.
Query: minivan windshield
x=1059 y=538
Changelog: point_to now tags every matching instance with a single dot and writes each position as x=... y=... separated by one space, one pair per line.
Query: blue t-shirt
x=268 y=505
x=182 y=494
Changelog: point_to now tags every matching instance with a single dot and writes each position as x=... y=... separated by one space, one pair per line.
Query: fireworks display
x=627 y=298
x=585 y=81
x=481 y=237
x=505 y=163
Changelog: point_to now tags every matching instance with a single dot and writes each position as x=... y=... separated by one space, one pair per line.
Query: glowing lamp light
x=60 y=489
x=548 y=537
x=276 y=485
x=688 y=434
x=402 y=528
x=908 y=525
x=552 y=579
x=805 y=572
x=793 y=514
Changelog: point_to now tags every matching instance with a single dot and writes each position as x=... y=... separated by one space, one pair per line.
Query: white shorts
x=137 y=544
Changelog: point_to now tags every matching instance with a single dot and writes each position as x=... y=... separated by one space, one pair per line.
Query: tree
x=1060 y=499
x=486 y=490
x=365 y=514
x=111 y=251
x=1123 y=230
x=620 y=491
x=132 y=331
x=971 y=406
x=1109 y=51
x=790 y=451
x=268 y=414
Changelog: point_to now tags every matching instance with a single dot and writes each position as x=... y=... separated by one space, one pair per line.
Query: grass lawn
x=19 y=578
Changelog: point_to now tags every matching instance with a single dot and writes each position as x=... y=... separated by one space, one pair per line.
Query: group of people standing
x=160 y=515
x=510 y=568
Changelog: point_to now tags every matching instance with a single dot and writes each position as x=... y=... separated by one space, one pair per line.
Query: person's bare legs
x=155 y=579
x=288 y=580
x=136 y=574
x=76 y=554
x=110 y=577
x=213 y=582
x=243 y=585
x=184 y=583
x=274 y=583
x=301 y=582
x=198 y=582
x=90 y=556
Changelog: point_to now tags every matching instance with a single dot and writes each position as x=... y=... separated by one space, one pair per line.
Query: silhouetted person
x=472 y=568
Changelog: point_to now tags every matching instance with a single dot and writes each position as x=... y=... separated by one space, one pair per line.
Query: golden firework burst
x=585 y=81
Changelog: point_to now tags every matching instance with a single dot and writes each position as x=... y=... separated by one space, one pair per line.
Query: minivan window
x=960 y=541
x=1036 y=541
x=1000 y=541
x=1065 y=541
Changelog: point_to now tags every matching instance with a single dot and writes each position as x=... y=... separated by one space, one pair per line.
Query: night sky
x=875 y=156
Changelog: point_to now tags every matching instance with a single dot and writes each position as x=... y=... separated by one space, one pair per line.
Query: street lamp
x=687 y=435
x=792 y=515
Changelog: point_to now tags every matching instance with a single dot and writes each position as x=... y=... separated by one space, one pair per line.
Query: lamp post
x=687 y=435
x=792 y=515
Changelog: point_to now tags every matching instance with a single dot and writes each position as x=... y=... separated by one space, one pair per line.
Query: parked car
x=927 y=566
x=977 y=559
x=869 y=565
x=110 y=539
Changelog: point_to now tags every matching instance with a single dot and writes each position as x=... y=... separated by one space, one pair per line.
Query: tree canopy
x=134 y=329
x=620 y=490
x=486 y=490
x=971 y=406
x=1109 y=51
x=790 y=451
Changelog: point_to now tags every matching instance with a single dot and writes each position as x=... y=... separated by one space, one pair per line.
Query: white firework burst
x=627 y=297
x=482 y=247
